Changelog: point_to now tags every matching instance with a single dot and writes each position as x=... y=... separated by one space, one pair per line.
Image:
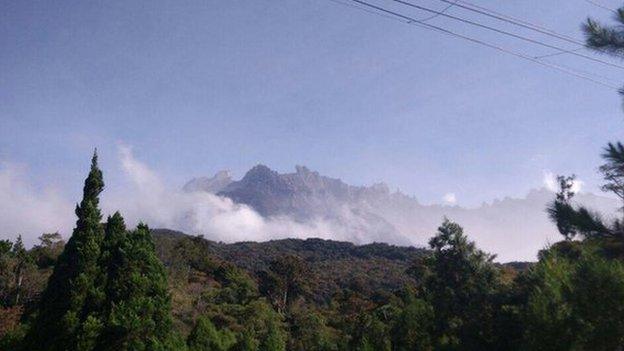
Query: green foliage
x=547 y=316
x=461 y=283
x=49 y=248
x=137 y=311
x=597 y=289
x=61 y=310
x=573 y=304
x=413 y=326
x=108 y=290
x=605 y=38
x=206 y=337
x=275 y=340
x=309 y=331
x=286 y=280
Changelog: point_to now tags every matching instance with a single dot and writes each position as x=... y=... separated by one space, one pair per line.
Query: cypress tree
x=62 y=315
x=111 y=263
x=138 y=306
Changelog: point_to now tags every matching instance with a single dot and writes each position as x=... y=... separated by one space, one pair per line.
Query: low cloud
x=148 y=199
x=27 y=211
x=449 y=199
x=551 y=183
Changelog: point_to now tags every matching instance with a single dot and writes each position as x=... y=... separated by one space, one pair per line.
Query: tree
x=22 y=259
x=275 y=340
x=412 y=326
x=606 y=39
x=286 y=280
x=613 y=170
x=598 y=315
x=573 y=220
x=573 y=303
x=138 y=305
x=47 y=251
x=61 y=310
x=206 y=337
x=461 y=283
x=547 y=314
x=309 y=331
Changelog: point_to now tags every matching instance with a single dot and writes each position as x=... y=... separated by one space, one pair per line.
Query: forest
x=110 y=287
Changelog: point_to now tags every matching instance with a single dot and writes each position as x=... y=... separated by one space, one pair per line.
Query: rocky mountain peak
x=259 y=172
x=212 y=184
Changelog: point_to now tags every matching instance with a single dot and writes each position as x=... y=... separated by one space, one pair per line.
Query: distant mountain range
x=513 y=228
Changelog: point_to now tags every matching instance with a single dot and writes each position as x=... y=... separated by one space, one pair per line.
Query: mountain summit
x=209 y=184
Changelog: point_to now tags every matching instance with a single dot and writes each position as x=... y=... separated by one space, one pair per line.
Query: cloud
x=551 y=183
x=449 y=198
x=148 y=199
x=28 y=211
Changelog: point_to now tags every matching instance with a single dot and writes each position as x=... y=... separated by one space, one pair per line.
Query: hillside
x=334 y=265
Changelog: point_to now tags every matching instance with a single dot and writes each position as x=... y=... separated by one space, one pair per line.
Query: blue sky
x=199 y=86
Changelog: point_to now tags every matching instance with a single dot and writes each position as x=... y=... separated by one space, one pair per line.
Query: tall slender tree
x=22 y=259
x=61 y=314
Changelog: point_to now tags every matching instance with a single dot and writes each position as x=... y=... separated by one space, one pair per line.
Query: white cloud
x=28 y=211
x=551 y=183
x=148 y=199
x=449 y=198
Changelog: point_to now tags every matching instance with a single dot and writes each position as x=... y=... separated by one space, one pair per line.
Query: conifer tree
x=111 y=263
x=461 y=282
x=22 y=261
x=61 y=315
x=138 y=306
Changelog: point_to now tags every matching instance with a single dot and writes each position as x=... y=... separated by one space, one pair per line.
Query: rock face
x=212 y=185
x=301 y=194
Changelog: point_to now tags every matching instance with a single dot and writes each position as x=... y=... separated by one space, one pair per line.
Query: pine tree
x=137 y=306
x=461 y=282
x=111 y=264
x=61 y=315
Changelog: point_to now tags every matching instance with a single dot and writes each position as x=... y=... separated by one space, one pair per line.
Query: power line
x=514 y=21
x=413 y=21
x=451 y=4
x=597 y=4
x=500 y=31
x=526 y=24
x=353 y=6
x=559 y=53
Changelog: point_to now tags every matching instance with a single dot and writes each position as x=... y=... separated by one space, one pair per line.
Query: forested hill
x=334 y=265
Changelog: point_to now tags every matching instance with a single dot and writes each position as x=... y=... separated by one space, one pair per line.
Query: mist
x=27 y=211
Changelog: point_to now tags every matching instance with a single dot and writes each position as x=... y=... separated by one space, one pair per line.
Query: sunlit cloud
x=450 y=199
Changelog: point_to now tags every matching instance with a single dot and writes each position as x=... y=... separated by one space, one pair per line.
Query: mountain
x=513 y=228
x=209 y=184
x=306 y=196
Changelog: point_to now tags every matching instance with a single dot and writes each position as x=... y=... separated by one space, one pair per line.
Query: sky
x=194 y=87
